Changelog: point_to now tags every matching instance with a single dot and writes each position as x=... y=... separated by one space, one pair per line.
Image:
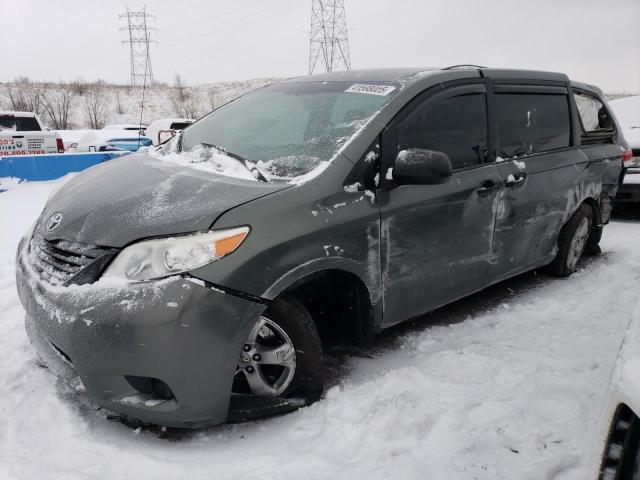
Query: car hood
x=138 y=196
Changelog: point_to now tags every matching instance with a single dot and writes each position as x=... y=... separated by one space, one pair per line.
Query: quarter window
x=531 y=123
x=456 y=126
x=597 y=125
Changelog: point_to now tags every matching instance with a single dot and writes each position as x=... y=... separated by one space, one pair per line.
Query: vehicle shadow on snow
x=340 y=358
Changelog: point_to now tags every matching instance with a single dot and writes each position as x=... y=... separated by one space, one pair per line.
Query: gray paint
x=413 y=247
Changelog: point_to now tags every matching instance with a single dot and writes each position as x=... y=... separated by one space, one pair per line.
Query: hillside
x=80 y=105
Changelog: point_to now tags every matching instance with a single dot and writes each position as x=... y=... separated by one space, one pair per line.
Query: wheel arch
x=596 y=222
x=337 y=296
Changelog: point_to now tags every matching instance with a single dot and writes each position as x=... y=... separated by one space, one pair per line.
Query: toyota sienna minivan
x=196 y=283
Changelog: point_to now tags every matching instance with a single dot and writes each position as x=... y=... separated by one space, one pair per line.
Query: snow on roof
x=171 y=120
x=632 y=135
x=17 y=113
x=627 y=110
x=124 y=126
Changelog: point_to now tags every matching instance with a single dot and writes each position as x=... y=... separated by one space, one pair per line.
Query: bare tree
x=186 y=103
x=56 y=103
x=215 y=98
x=119 y=106
x=95 y=105
x=182 y=93
x=22 y=95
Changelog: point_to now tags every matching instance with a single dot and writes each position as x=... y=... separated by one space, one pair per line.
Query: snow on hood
x=138 y=196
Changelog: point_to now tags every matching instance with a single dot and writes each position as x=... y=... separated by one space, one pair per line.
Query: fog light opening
x=151 y=387
x=161 y=390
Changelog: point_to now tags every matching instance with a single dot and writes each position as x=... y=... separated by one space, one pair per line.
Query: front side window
x=532 y=122
x=455 y=125
x=290 y=129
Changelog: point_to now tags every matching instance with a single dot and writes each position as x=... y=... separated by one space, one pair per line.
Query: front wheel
x=572 y=242
x=282 y=356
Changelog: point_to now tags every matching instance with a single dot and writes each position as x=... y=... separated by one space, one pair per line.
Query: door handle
x=515 y=180
x=486 y=188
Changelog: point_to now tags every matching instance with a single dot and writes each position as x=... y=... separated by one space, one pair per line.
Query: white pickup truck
x=23 y=133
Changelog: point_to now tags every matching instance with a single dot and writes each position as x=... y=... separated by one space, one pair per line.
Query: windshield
x=290 y=130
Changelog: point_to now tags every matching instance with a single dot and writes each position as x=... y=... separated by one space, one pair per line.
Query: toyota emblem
x=54 y=221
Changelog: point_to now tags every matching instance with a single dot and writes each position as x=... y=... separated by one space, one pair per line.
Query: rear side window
x=19 y=124
x=532 y=122
x=456 y=126
x=179 y=125
x=597 y=124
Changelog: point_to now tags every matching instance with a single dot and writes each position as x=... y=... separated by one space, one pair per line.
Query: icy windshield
x=289 y=131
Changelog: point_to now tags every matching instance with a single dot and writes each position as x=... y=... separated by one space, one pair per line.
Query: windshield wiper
x=243 y=161
x=246 y=163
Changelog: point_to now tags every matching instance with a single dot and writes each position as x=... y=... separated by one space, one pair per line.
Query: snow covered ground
x=507 y=384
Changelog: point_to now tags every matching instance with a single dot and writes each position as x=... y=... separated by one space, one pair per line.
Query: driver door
x=436 y=239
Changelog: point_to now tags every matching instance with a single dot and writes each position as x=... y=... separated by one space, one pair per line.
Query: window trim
x=541 y=88
x=389 y=136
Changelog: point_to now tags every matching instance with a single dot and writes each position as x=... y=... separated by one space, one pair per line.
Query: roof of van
x=410 y=75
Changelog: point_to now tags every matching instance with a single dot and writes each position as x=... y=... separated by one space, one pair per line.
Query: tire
x=285 y=320
x=572 y=242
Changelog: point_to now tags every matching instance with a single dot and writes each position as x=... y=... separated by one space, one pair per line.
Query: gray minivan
x=195 y=284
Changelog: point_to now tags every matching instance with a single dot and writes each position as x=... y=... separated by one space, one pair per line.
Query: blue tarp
x=51 y=166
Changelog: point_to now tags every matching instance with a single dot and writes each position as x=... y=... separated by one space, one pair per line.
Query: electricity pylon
x=139 y=39
x=329 y=40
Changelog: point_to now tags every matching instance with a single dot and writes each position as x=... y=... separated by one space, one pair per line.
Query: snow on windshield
x=217 y=161
x=294 y=169
x=207 y=159
x=289 y=132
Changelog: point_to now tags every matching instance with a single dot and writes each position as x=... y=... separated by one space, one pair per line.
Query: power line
x=257 y=15
x=215 y=14
x=139 y=39
x=329 y=38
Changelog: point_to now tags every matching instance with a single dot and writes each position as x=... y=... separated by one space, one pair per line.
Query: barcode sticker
x=370 y=89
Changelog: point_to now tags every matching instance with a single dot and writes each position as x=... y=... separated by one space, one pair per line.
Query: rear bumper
x=628 y=193
x=184 y=334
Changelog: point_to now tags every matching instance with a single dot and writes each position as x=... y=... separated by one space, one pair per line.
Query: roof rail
x=463 y=66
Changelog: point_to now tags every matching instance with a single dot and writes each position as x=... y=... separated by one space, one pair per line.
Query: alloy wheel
x=268 y=359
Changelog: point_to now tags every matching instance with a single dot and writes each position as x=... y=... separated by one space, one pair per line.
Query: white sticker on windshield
x=369 y=89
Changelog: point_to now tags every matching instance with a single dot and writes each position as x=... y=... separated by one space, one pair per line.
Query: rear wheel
x=282 y=356
x=572 y=242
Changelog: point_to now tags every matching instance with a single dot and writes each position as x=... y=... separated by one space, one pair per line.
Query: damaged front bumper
x=118 y=338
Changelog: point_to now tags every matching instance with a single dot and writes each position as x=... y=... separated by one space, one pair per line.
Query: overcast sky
x=596 y=41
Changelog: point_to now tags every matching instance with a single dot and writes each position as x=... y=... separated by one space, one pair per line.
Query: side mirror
x=421 y=167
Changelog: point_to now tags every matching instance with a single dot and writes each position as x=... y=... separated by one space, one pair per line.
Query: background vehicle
x=617 y=452
x=126 y=126
x=337 y=204
x=161 y=130
x=109 y=140
x=23 y=133
x=627 y=111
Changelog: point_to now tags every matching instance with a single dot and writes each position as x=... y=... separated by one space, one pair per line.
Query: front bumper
x=186 y=335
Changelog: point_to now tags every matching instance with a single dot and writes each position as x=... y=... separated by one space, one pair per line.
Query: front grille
x=65 y=262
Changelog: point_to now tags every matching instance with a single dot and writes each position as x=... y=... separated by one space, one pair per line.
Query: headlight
x=169 y=256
